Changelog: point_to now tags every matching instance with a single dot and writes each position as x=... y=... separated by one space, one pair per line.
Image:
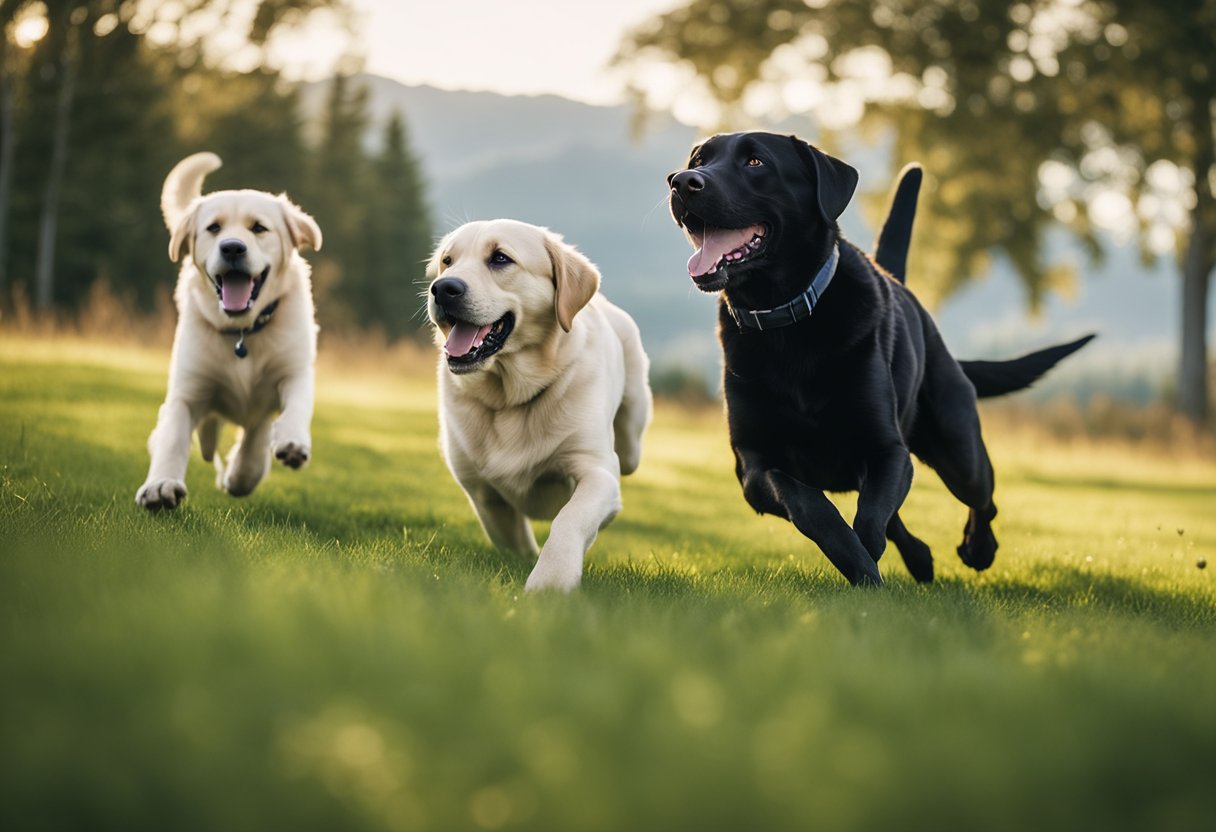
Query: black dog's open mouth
x=470 y=344
x=237 y=289
x=719 y=248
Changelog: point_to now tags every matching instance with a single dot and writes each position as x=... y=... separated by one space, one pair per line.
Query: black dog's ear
x=835 y=180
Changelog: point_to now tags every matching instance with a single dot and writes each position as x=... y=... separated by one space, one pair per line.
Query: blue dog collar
x=796 y=310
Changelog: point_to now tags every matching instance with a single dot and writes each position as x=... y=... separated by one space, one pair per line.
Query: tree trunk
x=8 y=145
x=1193 y=366
x=44 y=269
x=1196 y=278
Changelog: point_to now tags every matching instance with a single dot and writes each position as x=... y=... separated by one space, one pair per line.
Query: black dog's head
x=758 y=206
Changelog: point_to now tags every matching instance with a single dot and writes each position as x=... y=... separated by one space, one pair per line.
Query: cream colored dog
x=543 y=391
x=246 y=337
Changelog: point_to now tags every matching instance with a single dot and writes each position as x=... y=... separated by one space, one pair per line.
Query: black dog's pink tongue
x=235 y=291
x=464 y=337
x=716 y=243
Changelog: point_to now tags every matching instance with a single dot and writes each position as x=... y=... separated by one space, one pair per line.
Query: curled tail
x=996 y=378
x=184 y=184
x=891 y=250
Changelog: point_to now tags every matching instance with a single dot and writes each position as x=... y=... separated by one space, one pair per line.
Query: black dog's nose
x=687 y=181
x=448 y=289
x=232 y=249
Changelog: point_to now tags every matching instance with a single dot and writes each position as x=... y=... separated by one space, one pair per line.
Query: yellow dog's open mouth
x=237 y=289
x=470 y=344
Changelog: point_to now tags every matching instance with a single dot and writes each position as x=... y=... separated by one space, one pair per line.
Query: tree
x=1029 y=114
x=94 y=151
x=94 y=63
x=401 y=234
x=373 y=209
x=10 y=62
x=252 y=120
x=67 y=21
x=340 y=170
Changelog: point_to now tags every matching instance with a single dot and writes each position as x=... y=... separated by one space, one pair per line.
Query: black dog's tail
x=996 y=378
x=891 y=251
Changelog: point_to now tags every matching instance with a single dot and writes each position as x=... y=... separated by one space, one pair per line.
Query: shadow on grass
x=1055 y=588
x=1058 y=482
x=1052 y=590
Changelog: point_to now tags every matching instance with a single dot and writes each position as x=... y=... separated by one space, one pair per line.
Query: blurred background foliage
x=1027 y=116
x=90 y=86
x=1089 y=121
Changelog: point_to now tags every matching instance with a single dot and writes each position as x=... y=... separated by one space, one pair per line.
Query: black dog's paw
x=918 y=558
x=869 y=579
x=863 y=571
x=979 y=545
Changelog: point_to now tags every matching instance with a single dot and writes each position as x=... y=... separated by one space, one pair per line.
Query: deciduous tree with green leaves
x=1029 y=115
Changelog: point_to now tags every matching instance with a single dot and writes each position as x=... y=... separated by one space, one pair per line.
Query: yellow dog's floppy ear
x=575 y=278
x=303 y=229
x=183 y=232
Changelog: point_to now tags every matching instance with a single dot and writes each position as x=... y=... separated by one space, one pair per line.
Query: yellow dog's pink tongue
x=716 y=243
x=235 y=292
x=464 y=337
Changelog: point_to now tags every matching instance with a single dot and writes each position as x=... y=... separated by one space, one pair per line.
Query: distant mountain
x=580 y=170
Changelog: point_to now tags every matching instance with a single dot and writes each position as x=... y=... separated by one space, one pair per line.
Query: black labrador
x=834 y=373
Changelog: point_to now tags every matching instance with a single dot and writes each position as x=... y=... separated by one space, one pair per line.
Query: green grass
x=343 y=651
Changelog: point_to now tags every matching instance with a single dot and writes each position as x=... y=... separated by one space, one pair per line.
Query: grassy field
x=342 y=650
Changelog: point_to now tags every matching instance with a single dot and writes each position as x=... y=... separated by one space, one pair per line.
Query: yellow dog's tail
x=184 y=184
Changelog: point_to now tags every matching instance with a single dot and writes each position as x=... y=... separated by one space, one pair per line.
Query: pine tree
x=93 y=116
x=336 y=195
x=400 y=235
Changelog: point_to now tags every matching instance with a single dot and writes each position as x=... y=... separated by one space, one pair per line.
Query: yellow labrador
x=246 y=336
x=543 y=390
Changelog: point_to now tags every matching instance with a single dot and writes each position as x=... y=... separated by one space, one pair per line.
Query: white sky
x=509 y=46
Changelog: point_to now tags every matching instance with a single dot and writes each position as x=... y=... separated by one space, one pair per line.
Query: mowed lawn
x=343 y=651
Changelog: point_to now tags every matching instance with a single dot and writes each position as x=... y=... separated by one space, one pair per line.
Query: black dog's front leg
x=770 y=490
x=884 y=488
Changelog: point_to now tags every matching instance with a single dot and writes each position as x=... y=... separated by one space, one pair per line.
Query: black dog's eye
x=500 y=259
x=214 y=228
x=447 y=260
x=696 y=162
x=753 y=162
x=258 y=228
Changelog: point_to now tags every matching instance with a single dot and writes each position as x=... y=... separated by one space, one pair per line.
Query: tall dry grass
x=114 y=318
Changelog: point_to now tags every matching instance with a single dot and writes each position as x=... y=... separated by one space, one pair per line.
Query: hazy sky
x=512 y=46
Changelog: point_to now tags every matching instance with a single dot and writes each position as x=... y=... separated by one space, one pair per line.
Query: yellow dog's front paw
x=563 y=577
x=155 y=495
x=293 y=454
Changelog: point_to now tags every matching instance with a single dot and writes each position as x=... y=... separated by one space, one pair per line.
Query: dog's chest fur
x=789 y=418
x=242 y=390
x=518 y=451
x=249 y=388
x=804 y=395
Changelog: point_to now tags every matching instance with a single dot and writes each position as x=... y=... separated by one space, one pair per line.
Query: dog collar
x=796 y=310
x=259 y=323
